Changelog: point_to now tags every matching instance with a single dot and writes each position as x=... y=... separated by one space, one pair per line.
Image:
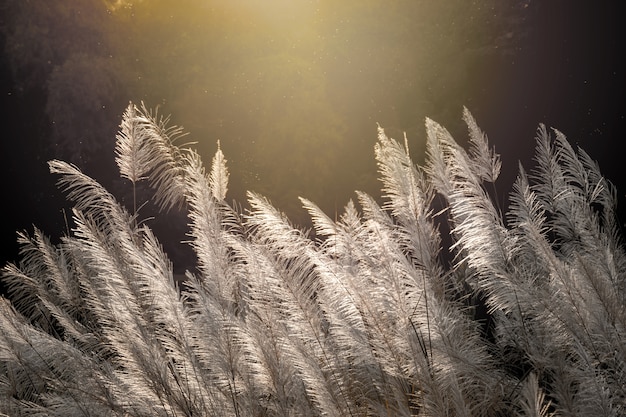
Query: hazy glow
x=274 y=11
x=115 y=5
x=292 y=89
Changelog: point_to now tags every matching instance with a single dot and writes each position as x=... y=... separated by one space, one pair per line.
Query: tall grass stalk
x=369 y=317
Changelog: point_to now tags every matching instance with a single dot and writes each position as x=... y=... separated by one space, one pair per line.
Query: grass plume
x=368 y=318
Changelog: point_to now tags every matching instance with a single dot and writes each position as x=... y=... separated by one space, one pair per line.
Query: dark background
x=293 y=90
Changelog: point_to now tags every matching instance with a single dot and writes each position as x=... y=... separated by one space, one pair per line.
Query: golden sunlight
x=115 y=5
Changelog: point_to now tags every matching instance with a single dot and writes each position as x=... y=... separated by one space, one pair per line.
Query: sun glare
x=277 y=12
x=115 y=5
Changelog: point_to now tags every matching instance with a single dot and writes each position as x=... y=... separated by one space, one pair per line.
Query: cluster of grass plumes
x=368 y=318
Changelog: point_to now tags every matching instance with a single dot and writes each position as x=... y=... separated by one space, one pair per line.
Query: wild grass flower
x=368 y=318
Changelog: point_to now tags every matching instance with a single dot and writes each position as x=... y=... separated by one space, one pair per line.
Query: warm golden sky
x=294 y=89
